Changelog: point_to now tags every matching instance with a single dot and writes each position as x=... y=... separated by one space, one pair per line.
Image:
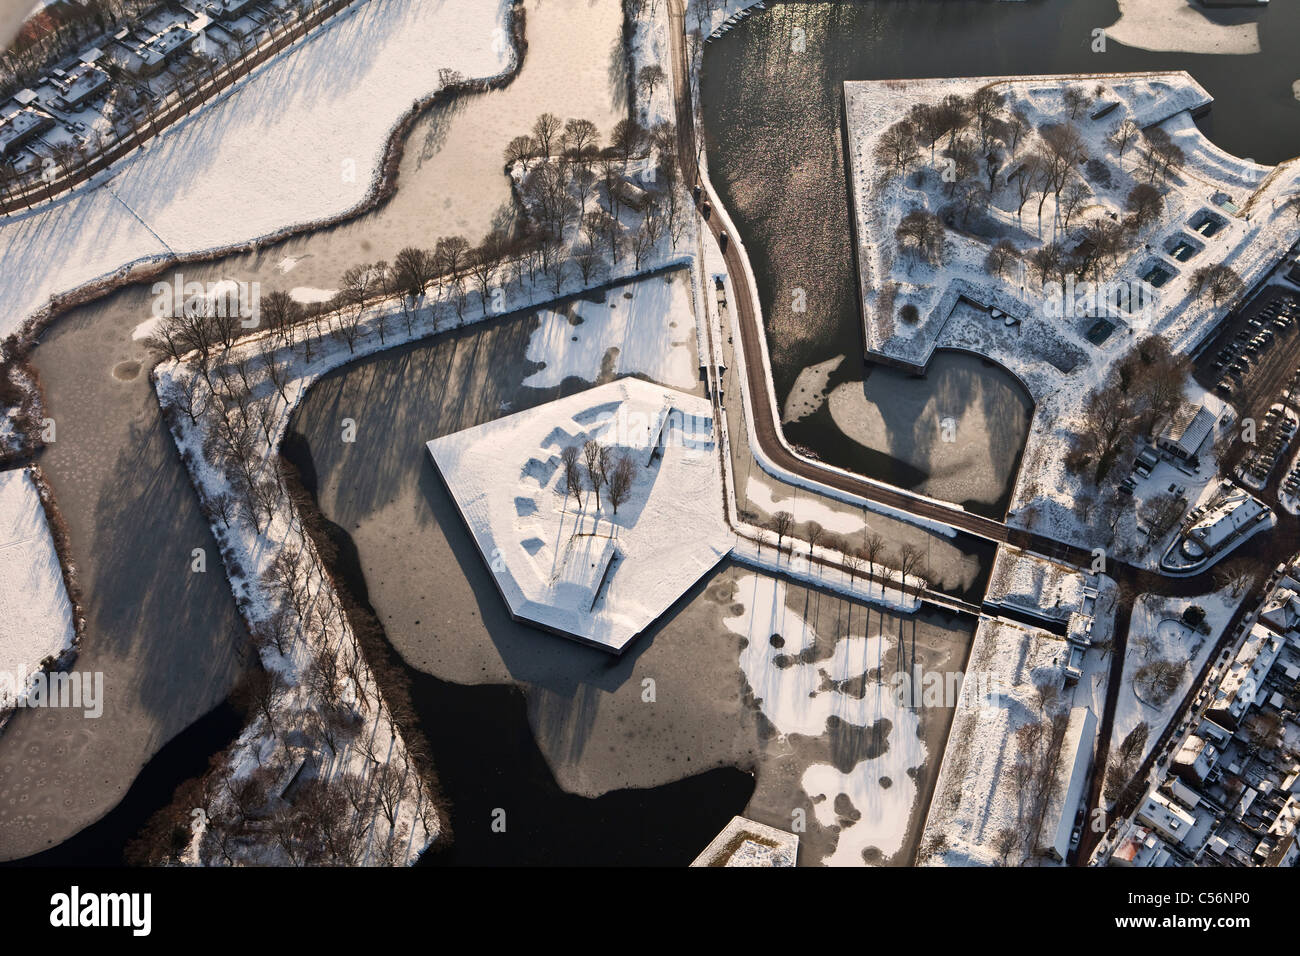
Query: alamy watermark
x=1115 y=299
x=926 y=688
x=37 y=689
x=668 y=426
x=227 y=299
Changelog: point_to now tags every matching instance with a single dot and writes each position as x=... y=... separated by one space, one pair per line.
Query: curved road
x=760 y=387
x=763 y=400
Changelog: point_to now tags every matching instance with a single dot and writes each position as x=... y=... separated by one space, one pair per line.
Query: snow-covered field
x=1176 y=25
x=583 y=568
x=803 y=508
x=799 y=693
x=976 y=795
x=298 y=141
x=645 y=327
x=35 y=614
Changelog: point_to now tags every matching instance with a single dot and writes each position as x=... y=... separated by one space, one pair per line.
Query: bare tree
x=389 y=791
x=910 y=558
x=1076 y=101
x=1122 y=135
x=485 y=261
x=591 y=453
x=620 y=480
x=648 y=79
x=814 y=533
x=782 y=522
x=413 y=270
x=545 y=130
x=1000 y=257
x=1072 y=200
x=627 y=140
x=1145 y=203
x=896 y=148
x=1218 y=280
x=265 y=691
x=1238 y=575
x=921 y=232
x=873 y=547
x=572 y=475
x=586 y=259
x=580 y=137
x=520 y=148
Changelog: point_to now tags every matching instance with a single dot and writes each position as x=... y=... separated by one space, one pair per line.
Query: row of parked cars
x=1279 y=428
x=1234 y=361
x=1291 y=483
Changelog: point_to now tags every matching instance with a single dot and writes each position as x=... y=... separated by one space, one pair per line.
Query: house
x=22 y=126
x=80 y=85
x=1195 y=759
x=1166 y=817
x=1235 y=515
x=1245 y=677
x=149 y=57
x=1186 y=432
x=1281 y=612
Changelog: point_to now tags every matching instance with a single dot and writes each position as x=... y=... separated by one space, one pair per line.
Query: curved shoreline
x=383 y=187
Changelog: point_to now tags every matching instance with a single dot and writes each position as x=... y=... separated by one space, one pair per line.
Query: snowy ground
x=1176 y=25
x=299 y=141
x=645 y=327
x=1157 y=633
x=35 y=614
x=976 y=795
x=580 y=567
x=1049 y=354
x=799 y=691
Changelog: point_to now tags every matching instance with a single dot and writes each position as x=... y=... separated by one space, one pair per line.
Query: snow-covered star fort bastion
x=570 y=563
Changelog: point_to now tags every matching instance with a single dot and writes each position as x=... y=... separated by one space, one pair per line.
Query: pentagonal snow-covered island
x=595 y=564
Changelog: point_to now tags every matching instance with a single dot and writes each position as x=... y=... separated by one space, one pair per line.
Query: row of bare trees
x=594 y=466
x=872 y=553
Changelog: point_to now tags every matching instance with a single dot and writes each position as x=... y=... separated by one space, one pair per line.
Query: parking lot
x=1255 y=353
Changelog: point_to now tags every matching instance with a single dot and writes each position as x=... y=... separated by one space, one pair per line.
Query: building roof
x=1167 y=816
x=1237 y=689
x=1282 y=610
x=1189 y=427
